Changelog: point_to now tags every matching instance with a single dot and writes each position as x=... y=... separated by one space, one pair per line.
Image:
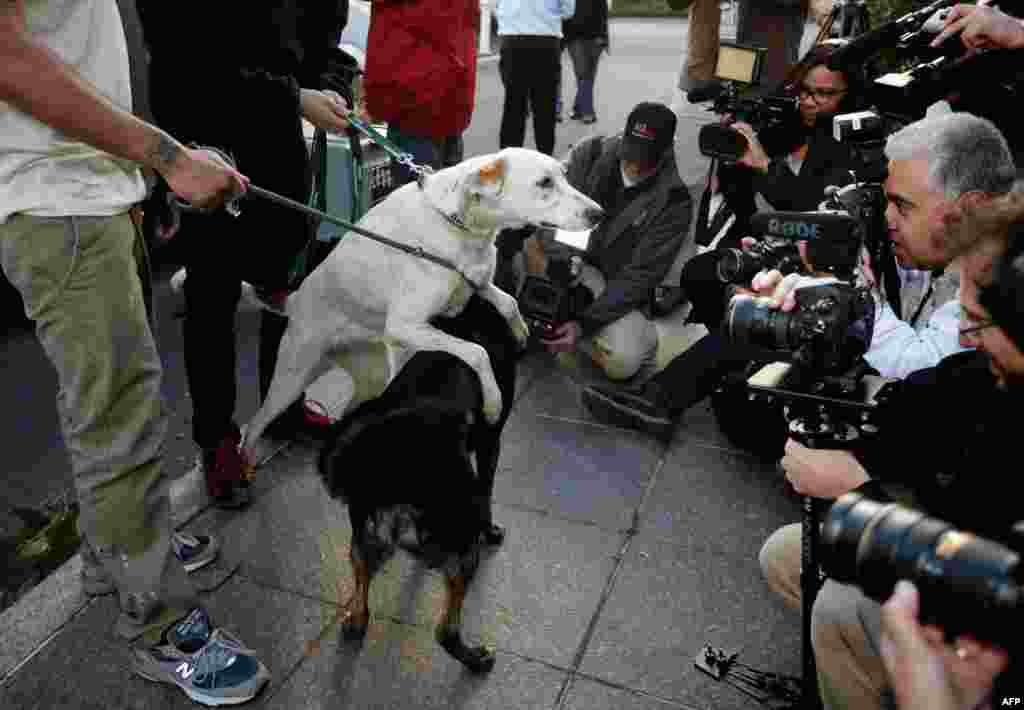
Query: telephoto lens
x=968 y=584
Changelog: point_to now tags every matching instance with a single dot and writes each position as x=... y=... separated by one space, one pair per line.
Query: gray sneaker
x=193 y=551
x=211 y=667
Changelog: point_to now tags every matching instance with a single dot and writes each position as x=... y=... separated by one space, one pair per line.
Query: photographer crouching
x=945 y=437
x=602 y=303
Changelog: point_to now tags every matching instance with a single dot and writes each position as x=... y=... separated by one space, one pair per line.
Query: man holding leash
x=70 y=152
x=634 y=177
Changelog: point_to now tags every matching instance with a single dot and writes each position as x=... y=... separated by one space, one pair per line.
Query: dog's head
x=511 y=189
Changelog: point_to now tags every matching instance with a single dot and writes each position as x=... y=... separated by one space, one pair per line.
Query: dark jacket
x=228 y=74
x=951 y=436
x=590 y=21
x=827 y=162
x=421 y=65
x=635 y=248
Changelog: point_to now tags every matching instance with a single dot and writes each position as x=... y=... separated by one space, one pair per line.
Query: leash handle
x=231 y=206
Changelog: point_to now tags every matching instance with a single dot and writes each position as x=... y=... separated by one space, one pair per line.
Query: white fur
x=365 y=289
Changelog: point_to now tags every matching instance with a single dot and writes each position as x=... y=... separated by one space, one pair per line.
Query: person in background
x=421 y=58
x=585 y=35
x=530 y=63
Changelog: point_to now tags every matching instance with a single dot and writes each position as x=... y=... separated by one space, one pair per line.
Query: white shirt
x=899 y=348
x=42 y=172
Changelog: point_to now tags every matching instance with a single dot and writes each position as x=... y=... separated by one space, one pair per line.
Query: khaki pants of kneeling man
x=845 y=628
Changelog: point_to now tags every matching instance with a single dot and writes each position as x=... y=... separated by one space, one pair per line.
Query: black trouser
x=219 y=252
x=530 y=66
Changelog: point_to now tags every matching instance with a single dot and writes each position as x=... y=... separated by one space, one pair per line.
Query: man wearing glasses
x=947 y=192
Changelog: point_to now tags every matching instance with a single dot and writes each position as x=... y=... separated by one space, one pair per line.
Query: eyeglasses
x=972 y=326
x=819 y=94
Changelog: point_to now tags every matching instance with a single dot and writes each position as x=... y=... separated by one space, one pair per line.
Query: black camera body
x=723 y=142
x=827 y=332
x=546 y=302
x=967 y=584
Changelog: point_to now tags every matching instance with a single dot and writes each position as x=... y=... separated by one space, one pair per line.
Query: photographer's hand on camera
x=982 y=27
x=925 y=671
x=821 y=473
x=755 y=156
x=565 y=337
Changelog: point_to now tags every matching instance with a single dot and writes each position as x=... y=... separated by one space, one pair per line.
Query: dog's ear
x=488 y=180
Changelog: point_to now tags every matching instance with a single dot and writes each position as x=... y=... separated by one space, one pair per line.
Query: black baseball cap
x=650 y=131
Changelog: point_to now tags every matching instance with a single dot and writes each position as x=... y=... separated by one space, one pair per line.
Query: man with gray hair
x=939 y=169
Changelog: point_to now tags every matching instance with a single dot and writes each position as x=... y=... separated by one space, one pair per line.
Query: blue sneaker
x=193 y=551
x=210 y=665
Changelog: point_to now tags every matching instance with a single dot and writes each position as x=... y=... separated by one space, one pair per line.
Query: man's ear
x=488 y=180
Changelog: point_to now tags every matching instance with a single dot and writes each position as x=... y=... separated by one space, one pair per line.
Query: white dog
x=365 y=289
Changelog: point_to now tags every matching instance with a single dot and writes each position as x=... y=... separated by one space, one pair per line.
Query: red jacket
x=421 y=65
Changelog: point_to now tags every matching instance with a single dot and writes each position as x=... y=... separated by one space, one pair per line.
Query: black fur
x=405 y=460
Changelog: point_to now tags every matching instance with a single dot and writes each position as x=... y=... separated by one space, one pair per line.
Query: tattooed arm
x=34 y=80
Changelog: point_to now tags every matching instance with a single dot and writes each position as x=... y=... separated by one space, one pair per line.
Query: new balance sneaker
x=193 y=551
x=210 y=665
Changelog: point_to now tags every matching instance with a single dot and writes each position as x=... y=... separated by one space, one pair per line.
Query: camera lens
x=967 y=584
x=751 y=322
x=737 y=267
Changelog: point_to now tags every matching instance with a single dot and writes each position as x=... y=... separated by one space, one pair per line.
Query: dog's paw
x=492 y=409
x=521 y=331
x=478 y=659
x=493 y=535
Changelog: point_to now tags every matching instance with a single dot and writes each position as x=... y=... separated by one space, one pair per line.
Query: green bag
x=340 y=187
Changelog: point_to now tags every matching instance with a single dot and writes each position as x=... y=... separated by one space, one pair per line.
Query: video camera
x=987 y=83
x=546 y=301
x=967 y=584
x=739 y=66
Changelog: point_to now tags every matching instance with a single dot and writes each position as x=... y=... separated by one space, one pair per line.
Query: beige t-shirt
x=42 y=172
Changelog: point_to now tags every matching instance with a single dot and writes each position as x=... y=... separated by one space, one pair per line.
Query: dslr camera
x=967 y=584
x=739 y=67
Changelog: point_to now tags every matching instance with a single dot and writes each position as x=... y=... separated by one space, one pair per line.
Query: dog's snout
x=594 y=214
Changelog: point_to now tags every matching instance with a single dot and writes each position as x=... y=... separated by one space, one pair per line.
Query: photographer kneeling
x=647 y=217
x=946 y=436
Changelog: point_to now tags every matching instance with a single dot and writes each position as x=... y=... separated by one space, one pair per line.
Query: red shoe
x=228 y=473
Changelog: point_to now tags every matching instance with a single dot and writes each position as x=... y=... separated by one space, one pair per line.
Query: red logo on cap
x=642 y=130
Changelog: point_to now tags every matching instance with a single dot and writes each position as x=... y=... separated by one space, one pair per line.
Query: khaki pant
x=845 y=627
x=84 y=281
x=623 y=347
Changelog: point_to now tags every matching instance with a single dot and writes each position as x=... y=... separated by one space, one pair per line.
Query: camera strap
x=703 y=235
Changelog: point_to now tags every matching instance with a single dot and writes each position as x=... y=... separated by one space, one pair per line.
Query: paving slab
x=588 y=694
x=668 y=601
x=398 y=667
x=574 y=469
x=719 y=492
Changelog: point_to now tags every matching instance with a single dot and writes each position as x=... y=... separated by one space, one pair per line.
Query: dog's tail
x=399 y=439
x=251 y=300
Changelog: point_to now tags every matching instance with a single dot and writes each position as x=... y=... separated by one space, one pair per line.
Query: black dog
x=433 y=457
